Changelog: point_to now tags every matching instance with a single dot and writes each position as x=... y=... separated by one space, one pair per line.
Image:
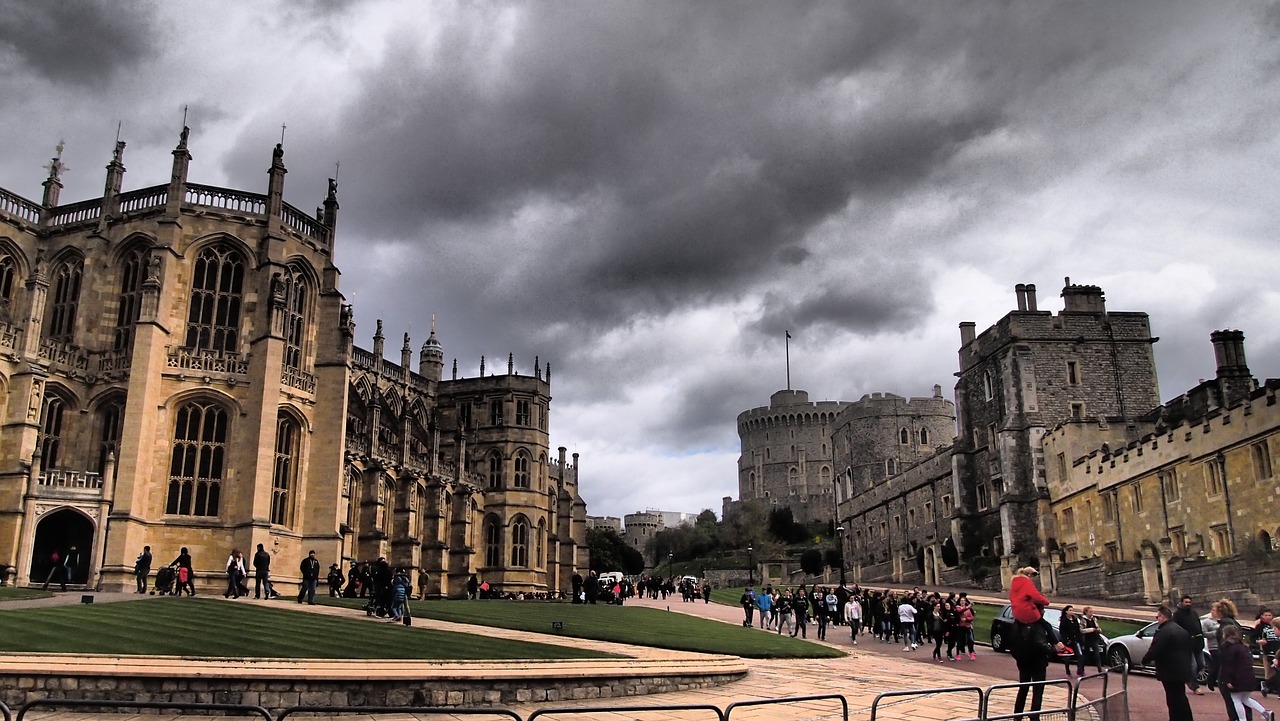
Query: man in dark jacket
x=1170 y=653
x=262 y=574
x=310 y=568
x=1186 y=617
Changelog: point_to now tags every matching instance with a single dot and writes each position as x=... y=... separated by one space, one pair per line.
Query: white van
x=610 y=578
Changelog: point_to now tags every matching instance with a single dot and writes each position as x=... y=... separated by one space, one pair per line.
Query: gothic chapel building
x=178 y=370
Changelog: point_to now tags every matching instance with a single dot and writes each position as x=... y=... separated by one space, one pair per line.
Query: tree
x=811 y=562
x=609 y=552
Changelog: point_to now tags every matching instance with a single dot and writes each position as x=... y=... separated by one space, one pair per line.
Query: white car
x=1131 y=648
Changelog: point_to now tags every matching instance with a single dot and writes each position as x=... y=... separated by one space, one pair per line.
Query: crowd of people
x=912 y=618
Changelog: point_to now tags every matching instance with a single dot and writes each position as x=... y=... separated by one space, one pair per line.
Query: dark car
x=1003 y=624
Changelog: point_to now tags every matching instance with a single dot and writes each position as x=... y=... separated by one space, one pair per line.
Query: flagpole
x=788 y=347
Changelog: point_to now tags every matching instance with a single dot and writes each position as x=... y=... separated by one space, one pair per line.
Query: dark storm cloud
x=81 y=42
x=861 y=304
x=699 y=144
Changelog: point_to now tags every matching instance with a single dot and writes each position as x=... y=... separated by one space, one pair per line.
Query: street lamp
x=671 y=564
x=751 y=566
x=840 y=548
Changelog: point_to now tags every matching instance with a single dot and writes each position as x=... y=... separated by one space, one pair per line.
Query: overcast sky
x=647 y=195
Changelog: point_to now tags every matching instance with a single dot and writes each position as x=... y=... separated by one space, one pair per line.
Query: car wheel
x=997 y=641
x=1118 y=656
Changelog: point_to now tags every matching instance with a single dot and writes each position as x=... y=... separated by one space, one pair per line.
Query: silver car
x=1131 y=648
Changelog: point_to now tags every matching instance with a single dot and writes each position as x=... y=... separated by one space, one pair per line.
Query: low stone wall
x=18 y=689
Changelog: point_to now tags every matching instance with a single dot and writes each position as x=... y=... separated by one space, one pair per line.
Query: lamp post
x=671 y=564
x=751 y=566
x=840 y=548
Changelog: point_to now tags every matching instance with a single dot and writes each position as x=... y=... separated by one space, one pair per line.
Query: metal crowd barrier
x=1111 y=705
x=627 y=709
x=398 y=710
x=234 y=708
x=976 y=690
x=844 y=703
x=1031 y=687
x=1100 y=707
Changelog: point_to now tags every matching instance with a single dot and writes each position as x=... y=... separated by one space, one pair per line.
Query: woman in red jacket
x=1027 y=601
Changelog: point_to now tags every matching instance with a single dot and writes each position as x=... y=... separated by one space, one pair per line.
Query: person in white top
x=907 y=619
x=235 y=574
x=853 y=614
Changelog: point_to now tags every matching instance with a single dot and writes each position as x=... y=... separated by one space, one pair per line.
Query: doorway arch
x=59 y=531
x=930 y=566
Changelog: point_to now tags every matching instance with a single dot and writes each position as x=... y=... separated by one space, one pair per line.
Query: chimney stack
x=966 y=333
x=1020 y=291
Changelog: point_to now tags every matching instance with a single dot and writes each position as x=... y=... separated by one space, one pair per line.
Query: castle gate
x=58 y=531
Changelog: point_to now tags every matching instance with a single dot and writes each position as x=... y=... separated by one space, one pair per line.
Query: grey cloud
x=79 y=42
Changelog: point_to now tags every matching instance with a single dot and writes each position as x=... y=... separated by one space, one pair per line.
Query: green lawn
x=209 y=627
x=13 y=593
x=623 y=624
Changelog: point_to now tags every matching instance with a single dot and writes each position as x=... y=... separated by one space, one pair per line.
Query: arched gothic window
x=492 y=543
x=60 y=321
x=924 y=436
x=198 y=459
x=132 y=269
x=110 y=426
x=213 y=322
x=51 y=430
x=540 y=545
x=520 y=543
x=495 y=470
x=8 y=277
x=522 y=471
x=904 y=437
x=296 y=298
x=284 y=475
x=890 y=467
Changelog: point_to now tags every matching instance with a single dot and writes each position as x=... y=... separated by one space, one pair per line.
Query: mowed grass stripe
x=209 y=627
x=622 y=624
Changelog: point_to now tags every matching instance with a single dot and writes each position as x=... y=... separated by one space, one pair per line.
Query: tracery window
x=492 y=543
x=8 y=275
x=522 y=413
x=60 y=324
x=213 y=322
x=51 y=430
x=111 y=426
x=198 y=459
x=285 y=471
x=130 y=302
x=495 y=470
x=296 y=298
x=522 y=471
x=520 y=543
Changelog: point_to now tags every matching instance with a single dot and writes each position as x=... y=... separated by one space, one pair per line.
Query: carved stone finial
x=182 y=138
x=118 y=155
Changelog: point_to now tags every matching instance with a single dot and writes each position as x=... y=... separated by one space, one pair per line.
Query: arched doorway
x=930 y=566
x=61 y=531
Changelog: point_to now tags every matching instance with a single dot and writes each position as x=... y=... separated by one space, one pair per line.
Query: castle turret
x=431 y=357
x=1082 y=298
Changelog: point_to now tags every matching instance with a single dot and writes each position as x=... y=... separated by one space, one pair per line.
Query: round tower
x=431 y=357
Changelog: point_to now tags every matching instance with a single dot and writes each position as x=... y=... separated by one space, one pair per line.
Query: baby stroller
x=164 y=580
x=379 y=604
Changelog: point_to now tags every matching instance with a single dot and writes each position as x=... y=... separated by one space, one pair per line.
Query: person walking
x=1268 y=642
x=964 y=628
x=1186 y=616
x=310 y=568
x=186 y=574
x=748 y=602
x=1236 y=673
x=1170 y=654
x=142 y=568
x=907 y=620
x=1224 y=612
x=235 y=574
x=262 y=587
x=853 y=614
x=1091 y=632
x=764 y=602
x=1072 y=636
